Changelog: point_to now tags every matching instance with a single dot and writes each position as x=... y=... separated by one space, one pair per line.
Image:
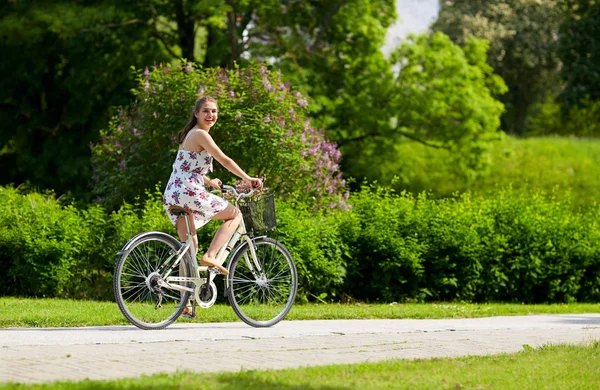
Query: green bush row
x=389 y=247
x=511 y=247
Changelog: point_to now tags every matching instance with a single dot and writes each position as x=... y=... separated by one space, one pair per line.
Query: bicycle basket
x=259 y=214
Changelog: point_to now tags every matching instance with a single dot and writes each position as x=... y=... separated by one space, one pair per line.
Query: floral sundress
x=186 y=187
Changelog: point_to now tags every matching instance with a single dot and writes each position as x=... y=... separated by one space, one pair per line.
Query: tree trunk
x=185 y=27
x=231 y=27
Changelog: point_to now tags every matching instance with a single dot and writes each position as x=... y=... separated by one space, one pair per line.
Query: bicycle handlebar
x=237 y=194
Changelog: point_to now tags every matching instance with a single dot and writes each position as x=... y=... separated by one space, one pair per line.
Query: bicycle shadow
x=247 y=380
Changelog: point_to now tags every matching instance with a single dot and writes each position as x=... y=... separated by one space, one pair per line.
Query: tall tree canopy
x=70 y=61
x=64 y=66
x=579 y=51
x=522 y=35
x=443 y=97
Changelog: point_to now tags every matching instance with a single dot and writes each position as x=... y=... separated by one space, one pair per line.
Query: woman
x=186 y=187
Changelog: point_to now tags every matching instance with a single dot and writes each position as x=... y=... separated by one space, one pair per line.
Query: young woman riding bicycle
x=187 y=185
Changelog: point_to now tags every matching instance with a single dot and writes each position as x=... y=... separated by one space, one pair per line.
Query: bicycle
x=156 y=276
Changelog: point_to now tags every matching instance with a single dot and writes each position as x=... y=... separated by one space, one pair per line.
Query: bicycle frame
x=155 y=270
x=222 y=254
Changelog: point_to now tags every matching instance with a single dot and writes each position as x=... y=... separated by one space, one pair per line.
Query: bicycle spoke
x=137 y=283
x=265 y=299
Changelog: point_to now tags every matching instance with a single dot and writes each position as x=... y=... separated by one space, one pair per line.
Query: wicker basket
x=259 y=214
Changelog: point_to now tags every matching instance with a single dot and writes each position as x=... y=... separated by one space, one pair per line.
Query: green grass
x=29 y=312
x=549 y=367
x=540 y=163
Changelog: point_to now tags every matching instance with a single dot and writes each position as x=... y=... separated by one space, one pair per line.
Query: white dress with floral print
x=186 y=187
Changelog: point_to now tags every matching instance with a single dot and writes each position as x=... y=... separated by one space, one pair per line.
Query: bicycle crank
x=206 y=294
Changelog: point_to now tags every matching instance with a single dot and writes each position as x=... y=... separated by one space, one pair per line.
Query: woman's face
x=207 y=116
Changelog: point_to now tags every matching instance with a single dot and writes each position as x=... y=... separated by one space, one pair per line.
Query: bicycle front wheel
x=263 y=297
x=139 y=281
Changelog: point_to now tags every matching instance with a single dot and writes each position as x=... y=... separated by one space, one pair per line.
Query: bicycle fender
x=235 y=251
x=142 y=235
x=241 y=246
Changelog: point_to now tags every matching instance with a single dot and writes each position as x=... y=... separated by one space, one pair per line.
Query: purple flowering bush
x=262 y=125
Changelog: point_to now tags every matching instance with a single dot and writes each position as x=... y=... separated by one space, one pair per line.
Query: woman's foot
x=189 y=313
x=206 y=261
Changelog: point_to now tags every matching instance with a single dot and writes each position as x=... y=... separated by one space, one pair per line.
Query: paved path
x=42 y=355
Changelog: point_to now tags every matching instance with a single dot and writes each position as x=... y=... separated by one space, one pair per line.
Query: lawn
x=549 y=367
x=31 y=312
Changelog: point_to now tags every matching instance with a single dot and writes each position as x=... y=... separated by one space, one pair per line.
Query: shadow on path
x=247 y=380
x=108 y=329
x=580 y=320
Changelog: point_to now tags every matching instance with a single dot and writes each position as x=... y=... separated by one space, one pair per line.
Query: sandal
x=187 y=313
x=221 y=269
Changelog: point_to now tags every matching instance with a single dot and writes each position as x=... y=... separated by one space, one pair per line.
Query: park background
x=461 y=164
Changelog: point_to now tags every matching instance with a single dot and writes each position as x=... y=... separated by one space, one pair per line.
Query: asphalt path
x=34 y=355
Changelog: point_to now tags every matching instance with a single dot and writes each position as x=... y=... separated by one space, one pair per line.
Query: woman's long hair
x=193 y=120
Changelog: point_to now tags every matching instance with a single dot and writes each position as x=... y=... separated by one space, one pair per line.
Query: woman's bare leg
x=183 y=235
x=182 y=232
x=231 y=217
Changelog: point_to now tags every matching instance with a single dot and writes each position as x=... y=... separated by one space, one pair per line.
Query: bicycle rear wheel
x=262 y=300
x=140 y=270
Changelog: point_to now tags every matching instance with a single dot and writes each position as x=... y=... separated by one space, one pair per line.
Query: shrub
x=389 y=247
x=317 y=248
x=262 y=126
x=47 y=249
x=538 y=250
x=514 y=247
x=43 y=246
x=550 y=118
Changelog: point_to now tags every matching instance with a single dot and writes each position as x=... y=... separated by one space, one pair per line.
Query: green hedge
x=388 y=247
x=512 y=247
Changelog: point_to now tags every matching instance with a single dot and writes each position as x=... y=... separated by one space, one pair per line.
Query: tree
x=64 y=66
x=443 y=97
x=71 y=60
x=262 y=125
x=576 y=110
x=522 y=35
x=332 y=51
x=579 y=52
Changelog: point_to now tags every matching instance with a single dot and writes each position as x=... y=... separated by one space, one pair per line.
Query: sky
x=414 y=16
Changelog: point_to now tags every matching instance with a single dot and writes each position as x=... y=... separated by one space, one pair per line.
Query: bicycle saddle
x=179 y=211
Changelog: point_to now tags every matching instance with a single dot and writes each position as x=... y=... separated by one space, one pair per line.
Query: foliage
x=316 y=246
x=52 y=250
x=65 y=65
x=69 y=61
x=262 y=126
x=513 y=247
x=443 y=99
x=522 y=36
x=446 y=95
x=72 y=67
x=579 y=51
x=43 y=246
x=332 y=52
x=581 y=120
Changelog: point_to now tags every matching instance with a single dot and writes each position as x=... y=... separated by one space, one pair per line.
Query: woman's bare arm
x=205 y=141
